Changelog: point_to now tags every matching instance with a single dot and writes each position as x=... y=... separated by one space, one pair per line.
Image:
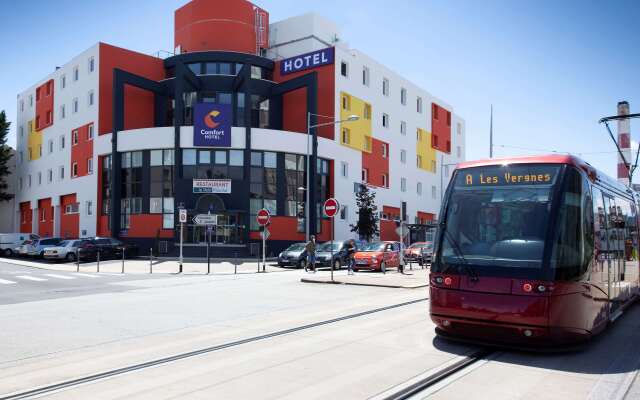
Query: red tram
x=533 y=251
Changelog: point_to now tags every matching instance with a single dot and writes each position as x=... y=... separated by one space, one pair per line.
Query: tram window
x=568 y=255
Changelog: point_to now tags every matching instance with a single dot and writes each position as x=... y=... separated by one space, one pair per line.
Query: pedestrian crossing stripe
x=5 y=282
x=30 y=278
x=86 y=275
x=60 y=276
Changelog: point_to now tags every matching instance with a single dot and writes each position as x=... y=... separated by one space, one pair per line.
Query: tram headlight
x=439 y=280
x=542 y=288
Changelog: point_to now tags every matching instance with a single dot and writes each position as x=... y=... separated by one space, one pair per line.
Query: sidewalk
x=411 y=279
x=140 y=266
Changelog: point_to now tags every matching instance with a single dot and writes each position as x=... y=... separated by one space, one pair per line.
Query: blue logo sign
x=212 y=125
x=306 y=61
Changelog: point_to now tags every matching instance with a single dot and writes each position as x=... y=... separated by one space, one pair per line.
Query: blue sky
x=551 y=69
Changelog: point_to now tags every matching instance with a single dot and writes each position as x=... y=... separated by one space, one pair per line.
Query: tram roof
x=568 y=159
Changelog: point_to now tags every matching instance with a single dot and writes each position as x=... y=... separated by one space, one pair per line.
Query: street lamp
x=351 y=118
x=442 y=165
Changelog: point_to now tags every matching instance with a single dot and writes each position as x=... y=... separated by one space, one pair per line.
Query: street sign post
x=182 y=217
x=206 y=219
x=331 y=208
x=263 y=217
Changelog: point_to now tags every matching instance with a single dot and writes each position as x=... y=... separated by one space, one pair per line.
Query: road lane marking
x=86 y=275
x=30 y=278
x=60 y=276
x=4 y=282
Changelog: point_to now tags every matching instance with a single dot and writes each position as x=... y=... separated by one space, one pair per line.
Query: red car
x=378 y=256
x=414 y=252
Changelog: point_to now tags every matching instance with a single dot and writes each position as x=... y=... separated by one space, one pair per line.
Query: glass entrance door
x=227 y=231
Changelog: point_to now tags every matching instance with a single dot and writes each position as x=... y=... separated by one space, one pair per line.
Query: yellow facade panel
x=34 y=142
x=355 y=134
x=426 y=159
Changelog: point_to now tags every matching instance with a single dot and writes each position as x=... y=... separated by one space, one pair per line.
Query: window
x=49 y=117
x=403 y=156
x=89 y=166
x=20 y=183
x=448 y=118
x=63 y=112
x=74 y=137
x=403 y=128
x=419 y=161
x=384 y=150
x=63 y=81
x=365 y=174
x=459 y=128
x=458 y=151
x=49 y=88
x=365 y=76
x=89 y=207
x=40 y=150
x=418 y=135
x=385 y=86
x=403 y=184
x=344 y=69
x=76 y=73
x=367 y=111
x=344 y=169
x=72 y=208
x=21 y=129
x=403 y=96
x=91 y=64
x=50 y=176
x=90 y=132
x=61 y=142
x=43 y=214
x=90 y=98
x=385 y=180
x=38 y=94
x=256 y=72
x=61 y=172
x=419 y=188
x=344 y=212
x=21 y=105
x=346 y=136
x=161 y=200
x=367 y=143
x=262 y=184
x=446 y=170
x=50 y=146
x=346 y=102
x=74 y=170
x=433 y=166
x=30 y=100
x=419 y=105
x=75 y=105
x=385 y=120
x=29 y=181
x=433 y=192
x=434 y=111
x=39 y=178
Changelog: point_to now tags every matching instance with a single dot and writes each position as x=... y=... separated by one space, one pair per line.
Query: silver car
x=35 y=248
x=66 y=250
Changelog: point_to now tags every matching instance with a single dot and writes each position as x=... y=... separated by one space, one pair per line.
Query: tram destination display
x=507 y=175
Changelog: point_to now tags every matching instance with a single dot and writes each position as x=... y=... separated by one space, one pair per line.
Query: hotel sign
x=307 y=61
x=212 y=186
x=212 y=125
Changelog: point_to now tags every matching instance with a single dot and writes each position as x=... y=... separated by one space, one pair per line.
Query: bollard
x=151 y=261
x=98 y=262
x=258 y=263
x=123 y=260
x=78 y=260
x=235 y=263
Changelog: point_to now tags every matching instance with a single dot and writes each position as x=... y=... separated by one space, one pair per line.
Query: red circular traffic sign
x=263 y=217
x=331 y=207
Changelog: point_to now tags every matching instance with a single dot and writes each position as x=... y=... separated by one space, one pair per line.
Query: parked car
x=378 y=256
x=426 y=254
x=340 y=254
x=294 y=255
x=71 y=250
x=9 y=241
x=413 y=253
x=112 y=248
x=35 y=247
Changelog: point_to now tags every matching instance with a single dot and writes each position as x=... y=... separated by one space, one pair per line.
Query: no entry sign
x=331 y=207
x=263 y=217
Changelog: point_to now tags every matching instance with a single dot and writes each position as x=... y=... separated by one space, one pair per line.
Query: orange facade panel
x=82 y=163
x=44 y=105
x=69 y=216
x=440 y=128
x=45 y=218
x=376 y=164
x=26 y=217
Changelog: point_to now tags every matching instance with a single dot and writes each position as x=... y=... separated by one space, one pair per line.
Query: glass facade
x=213 y=164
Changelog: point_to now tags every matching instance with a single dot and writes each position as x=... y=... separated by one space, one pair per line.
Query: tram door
x=599 y=276
x=616 y=253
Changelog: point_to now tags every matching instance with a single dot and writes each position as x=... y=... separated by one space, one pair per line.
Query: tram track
x=438 y=376
x=71 y=383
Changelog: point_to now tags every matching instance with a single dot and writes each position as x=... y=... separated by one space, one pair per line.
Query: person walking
x=351 y=252
x=310 y=247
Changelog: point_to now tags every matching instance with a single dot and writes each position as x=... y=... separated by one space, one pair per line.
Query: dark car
x=112 y=248
x=294 y=255
x=426 y=254
x=71 y=250
x=340 y=254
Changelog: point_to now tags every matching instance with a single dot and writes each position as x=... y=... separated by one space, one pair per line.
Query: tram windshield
x=498 y=216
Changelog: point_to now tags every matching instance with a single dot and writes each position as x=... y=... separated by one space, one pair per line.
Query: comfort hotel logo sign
x=306 y=61
x=212 y=125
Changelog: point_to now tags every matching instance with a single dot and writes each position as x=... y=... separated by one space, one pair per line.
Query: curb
x=306 y=280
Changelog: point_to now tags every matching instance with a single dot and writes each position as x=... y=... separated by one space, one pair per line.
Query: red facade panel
x=26 y=217
x=44 y=105
x=148 y=226
x=138 y=103
x=377 y=163
x=425 y=217
x=82 y=151
x=286 y=228
x=45 y=218
x=69 y=221
x=294 y=104
x=388 y=226
x=198 y=25
x=440 y=128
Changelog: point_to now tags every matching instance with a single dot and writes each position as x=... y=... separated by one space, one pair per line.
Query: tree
x=367 y=225
x=5 y=156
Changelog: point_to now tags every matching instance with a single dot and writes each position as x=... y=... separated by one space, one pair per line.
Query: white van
x=9 y=241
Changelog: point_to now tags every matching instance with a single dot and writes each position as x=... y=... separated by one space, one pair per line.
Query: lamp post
x=351 y=118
